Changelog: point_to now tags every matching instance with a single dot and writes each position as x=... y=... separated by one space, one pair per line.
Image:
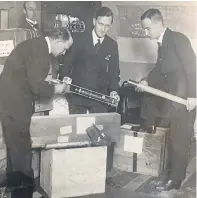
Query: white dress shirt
x=160 y=39
x=95 y=38
x=48 y=43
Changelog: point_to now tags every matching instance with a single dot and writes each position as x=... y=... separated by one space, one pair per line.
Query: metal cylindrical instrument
x=93 y=95
x=88 y=93
x=158 y=92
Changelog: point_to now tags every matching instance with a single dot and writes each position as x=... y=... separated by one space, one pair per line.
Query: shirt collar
x=160 y=39
x=48 y=43
x=95 y=38
x=31 y=22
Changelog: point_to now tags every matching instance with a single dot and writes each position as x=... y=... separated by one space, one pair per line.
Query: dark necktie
x=36 y=26
x=97 y=46
x=36 y=30
x=159 y=52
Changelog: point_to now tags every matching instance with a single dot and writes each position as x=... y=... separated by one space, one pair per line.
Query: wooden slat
x=149 y=161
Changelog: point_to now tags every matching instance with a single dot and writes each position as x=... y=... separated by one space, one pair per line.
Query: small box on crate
x=73 y=172
x=141 y=152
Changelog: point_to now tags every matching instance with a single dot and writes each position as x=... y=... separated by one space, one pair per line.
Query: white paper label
x=83 y=123
x=126 y=126
x=100 y=127
x=133 y=144
x=65 y=130
x=6 y=47
x=62 y=139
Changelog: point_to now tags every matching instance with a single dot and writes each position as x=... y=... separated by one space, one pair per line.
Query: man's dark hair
x=60 y=33
x=104 y=11
x=153 y=14
x=24 y=5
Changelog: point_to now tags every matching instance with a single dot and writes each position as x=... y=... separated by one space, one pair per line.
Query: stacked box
x=14 y=37
x=71 y=128
x=73 y=172
x=66 y=129
x=141 y=152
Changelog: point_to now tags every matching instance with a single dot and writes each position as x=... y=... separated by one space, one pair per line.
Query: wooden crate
x=73 y=172
x=140 y=152
x=53 y=129
x=71 y=128
x=16 y=36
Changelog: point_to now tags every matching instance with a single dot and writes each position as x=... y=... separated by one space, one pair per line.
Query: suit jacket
x=176 y=66
x=22 y=79
x=92 y=70
x=26 y=25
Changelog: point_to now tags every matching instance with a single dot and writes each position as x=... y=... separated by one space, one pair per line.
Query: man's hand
x=67 y=80
x=191 y=103
x=115 y=95
x=62 y=88
x=143 y=82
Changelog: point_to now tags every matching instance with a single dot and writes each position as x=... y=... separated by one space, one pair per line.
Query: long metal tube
x=89 y=93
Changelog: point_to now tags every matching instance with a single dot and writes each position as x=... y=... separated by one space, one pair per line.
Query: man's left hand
x=115 y=95
x=191 y=103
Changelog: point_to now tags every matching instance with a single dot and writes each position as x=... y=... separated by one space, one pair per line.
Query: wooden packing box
x=14 y=36
x=73 y=172
x=140 y=152
x=71 y=128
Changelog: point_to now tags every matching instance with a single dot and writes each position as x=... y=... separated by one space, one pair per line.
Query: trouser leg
x=18 y=142
x=181 y=130
x=77 y=109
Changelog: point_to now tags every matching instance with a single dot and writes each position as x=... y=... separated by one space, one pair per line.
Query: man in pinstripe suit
x=29 y=22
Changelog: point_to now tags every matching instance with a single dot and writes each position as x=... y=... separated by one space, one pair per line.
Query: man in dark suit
x=30 y=19
x=94 y=65
x=175 y=73
x=21 y=82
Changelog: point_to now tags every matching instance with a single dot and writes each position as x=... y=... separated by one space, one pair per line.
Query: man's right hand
x=62 y=88
x=143 y=82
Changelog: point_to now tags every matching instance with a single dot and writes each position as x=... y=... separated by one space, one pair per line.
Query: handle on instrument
x=67 y=80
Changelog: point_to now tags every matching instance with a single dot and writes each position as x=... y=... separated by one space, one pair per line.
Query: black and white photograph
x=98 y=99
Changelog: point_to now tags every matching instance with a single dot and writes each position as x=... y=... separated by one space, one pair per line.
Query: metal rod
x=89 y=93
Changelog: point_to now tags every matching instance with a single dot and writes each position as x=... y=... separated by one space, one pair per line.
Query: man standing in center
x=95 y=65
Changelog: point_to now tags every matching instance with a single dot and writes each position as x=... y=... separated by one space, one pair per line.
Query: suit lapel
x=164 y=47
x=90 y=45
x=104 y=47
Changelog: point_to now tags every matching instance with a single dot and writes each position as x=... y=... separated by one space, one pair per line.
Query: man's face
x=31 y=10
x=102 y=25
x=59 y=47
x=152 y=28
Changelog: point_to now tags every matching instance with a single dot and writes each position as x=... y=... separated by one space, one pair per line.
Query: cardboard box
x=73 y=172
x=140 y=152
